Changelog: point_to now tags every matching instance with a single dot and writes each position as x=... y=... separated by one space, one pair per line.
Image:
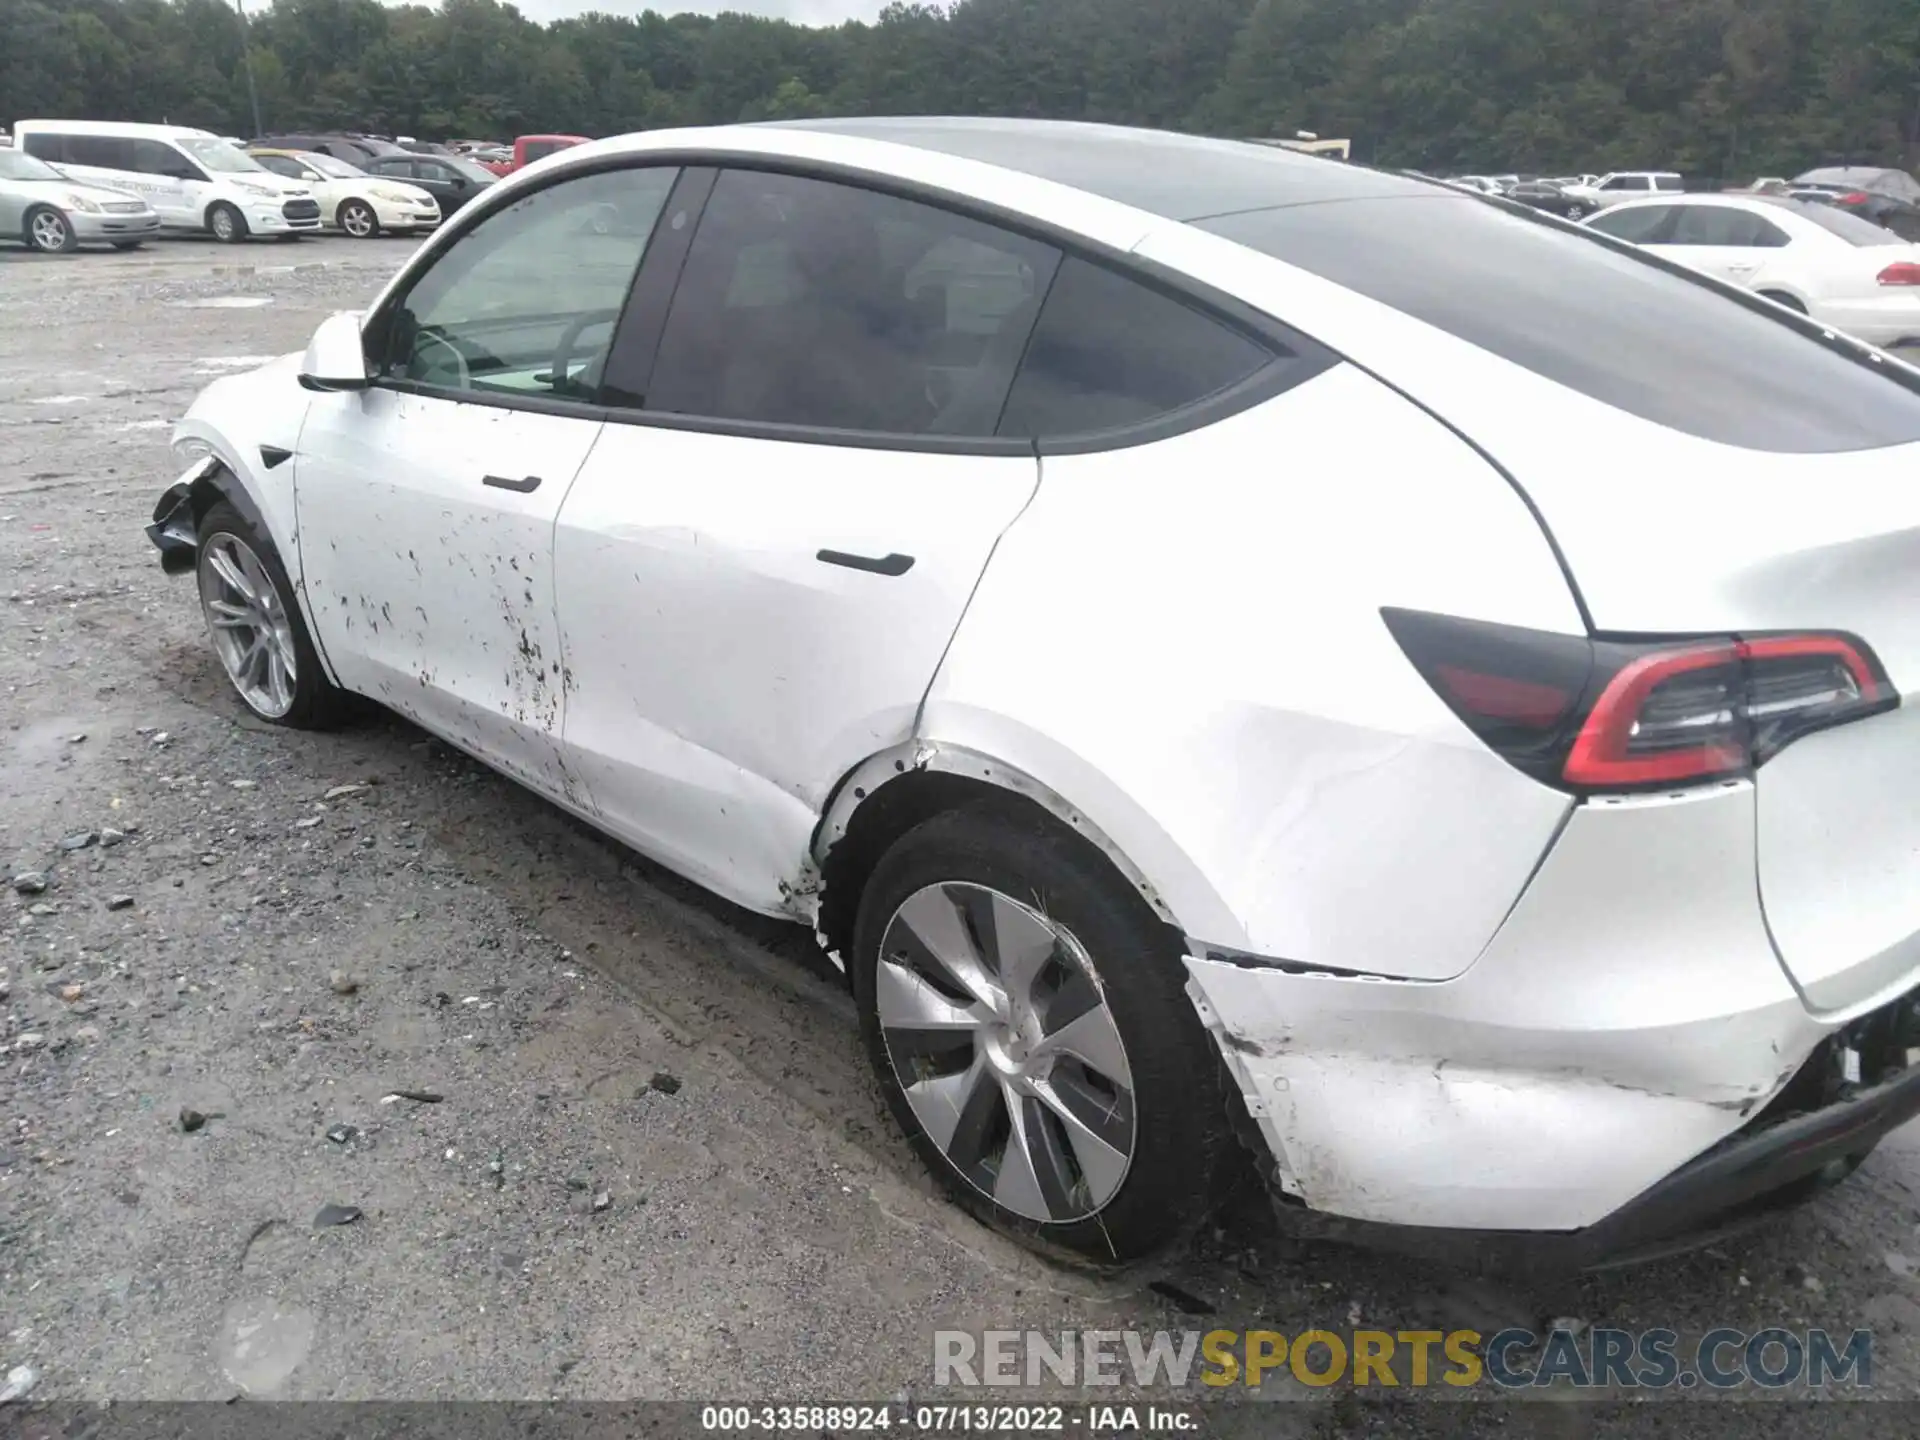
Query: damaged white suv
x=1133 y=596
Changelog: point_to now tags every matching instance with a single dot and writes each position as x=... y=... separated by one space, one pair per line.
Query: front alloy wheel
x=1006 y=1050
x=248 y=620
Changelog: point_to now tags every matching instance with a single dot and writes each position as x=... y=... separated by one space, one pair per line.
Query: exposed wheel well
x=890 y=812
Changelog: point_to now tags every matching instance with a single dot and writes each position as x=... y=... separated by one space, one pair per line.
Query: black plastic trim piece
x=894 y=564
x=844 y=439
x=272 y=456
x=525 y=486
x=636 y=335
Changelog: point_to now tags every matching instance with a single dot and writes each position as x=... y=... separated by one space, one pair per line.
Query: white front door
x=426 y=537
x=754 y=596
x=427 y=503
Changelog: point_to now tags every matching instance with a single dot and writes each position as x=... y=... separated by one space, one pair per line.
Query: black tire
x=128 y=244
x=317 y=703
x=48 y=231
x=1781 y=298
x=356 y=217
x=226 y=224
x=1181 y=1133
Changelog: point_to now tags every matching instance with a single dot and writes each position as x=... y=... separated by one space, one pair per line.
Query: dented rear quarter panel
x=1183 y=640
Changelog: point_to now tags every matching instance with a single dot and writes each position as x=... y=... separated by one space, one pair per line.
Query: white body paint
x=1528 y=1008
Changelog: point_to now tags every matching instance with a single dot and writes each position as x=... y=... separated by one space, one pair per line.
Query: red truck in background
x=529 y=148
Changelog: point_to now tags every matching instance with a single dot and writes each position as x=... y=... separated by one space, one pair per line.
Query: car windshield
x=18 y=165
x=338 y=169
x=220 y=157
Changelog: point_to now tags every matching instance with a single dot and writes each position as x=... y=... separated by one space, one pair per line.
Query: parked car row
x=66 y=183
x=1837 y=267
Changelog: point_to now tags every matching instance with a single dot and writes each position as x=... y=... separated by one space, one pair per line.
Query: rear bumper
x=1775 y=1162
x=1609 y=1071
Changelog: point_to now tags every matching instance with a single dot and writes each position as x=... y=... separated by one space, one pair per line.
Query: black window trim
x=1307 y=359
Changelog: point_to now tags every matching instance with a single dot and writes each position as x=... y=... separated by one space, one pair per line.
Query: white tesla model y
x=1133 y=596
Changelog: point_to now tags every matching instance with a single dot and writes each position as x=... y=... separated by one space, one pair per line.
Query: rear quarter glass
x=1610 y=324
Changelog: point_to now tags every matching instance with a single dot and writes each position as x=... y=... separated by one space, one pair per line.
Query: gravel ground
x=657 y=1169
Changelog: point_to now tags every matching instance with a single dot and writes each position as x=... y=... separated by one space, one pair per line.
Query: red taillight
x=1610 y=715
x=1858 y=197
x=1901 y=272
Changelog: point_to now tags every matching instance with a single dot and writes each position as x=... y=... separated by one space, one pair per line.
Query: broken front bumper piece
x=175 y=530
x=1607 y=1082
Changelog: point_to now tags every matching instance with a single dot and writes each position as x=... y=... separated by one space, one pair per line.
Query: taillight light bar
x=1590 y=714
x=1901 y=272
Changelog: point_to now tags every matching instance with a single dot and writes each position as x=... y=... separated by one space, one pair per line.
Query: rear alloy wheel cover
x=1002 y=1041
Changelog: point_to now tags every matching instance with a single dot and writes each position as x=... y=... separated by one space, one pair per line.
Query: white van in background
x=193 y=179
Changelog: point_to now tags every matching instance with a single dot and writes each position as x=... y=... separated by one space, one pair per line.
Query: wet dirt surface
x=282 y=954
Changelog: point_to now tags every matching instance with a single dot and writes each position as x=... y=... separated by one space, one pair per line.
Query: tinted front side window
x=1636 y=224
x=526 y=302
x=808 y=303
x=51 y=148
x=1108 y=353
x=1622 y=329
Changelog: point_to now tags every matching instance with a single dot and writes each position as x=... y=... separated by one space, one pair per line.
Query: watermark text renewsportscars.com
x=1597 y=1358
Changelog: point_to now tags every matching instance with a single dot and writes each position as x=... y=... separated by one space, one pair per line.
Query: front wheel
x=51 y=233
x=1025 y=1014
x=226 y=224
x=258 y=632
x=356 y=217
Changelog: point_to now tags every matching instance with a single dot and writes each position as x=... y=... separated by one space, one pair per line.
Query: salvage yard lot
x=657 y=1168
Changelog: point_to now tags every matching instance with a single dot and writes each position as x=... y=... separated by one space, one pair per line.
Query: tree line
x=1728 y=88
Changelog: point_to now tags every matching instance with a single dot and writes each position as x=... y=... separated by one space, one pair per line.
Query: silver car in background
x=48 y=212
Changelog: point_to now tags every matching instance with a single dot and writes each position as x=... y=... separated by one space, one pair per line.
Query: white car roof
x=126 y=128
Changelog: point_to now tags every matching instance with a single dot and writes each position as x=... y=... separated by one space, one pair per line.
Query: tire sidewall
x=1181 y=1132
x=316 y=703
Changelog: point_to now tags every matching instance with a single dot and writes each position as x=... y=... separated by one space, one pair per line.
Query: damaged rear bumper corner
x=1608 y=1074
x=175 y=529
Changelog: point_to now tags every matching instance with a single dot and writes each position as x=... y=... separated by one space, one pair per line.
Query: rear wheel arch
x=892 y=793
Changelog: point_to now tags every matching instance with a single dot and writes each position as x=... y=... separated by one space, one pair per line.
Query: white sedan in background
x=1839 y=269
x=350 y=199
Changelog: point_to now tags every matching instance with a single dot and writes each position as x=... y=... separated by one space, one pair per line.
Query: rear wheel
x=50 y=232
x=356 y=217
x=1781 y=298
x=258 y=632
x=1025 y=1014
x=226 y=224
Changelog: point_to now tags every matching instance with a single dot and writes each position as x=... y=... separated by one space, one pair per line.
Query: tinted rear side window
x=809 y=303
x=1623 y=329
x=1109 y=353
